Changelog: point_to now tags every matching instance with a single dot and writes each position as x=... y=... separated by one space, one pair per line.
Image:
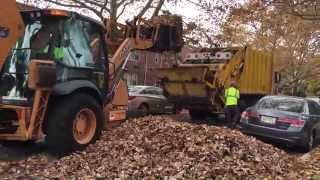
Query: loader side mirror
x=42 y=74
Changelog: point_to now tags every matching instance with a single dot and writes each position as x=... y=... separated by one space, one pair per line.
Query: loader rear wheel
x=74 y=123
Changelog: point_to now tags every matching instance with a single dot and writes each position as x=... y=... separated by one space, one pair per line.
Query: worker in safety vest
x=45 y=47
x=232 y=95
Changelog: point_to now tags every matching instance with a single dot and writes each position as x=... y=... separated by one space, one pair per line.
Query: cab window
x=83 y=47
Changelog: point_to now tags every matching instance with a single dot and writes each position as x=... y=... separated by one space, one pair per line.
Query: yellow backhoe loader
x=57 y=81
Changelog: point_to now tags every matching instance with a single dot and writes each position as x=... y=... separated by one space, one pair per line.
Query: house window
x=134 y=57
x=134 y=77
x=131 y=78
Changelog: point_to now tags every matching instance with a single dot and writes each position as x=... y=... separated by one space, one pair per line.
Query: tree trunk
x=113 y=19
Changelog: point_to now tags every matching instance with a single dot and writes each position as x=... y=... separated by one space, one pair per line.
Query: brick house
x=142 y=66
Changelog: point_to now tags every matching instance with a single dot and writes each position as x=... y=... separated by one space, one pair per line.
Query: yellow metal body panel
x=230 y=69
x=184 y=81
x=186 y=89
x=117 y=115
x=256 y=77
x=183 y=73
x=252 y=70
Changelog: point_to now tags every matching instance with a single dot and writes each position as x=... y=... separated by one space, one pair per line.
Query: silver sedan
x=144 y=100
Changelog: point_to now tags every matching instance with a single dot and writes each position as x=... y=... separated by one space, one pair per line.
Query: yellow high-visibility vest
x=232 y=95
x=58 y=53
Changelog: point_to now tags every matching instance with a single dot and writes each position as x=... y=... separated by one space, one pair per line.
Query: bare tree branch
x=158 y=8
x=123 y=9
x=305 y=9
x=145 y=8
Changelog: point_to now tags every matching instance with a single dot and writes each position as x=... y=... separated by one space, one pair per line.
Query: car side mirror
x=42 y=74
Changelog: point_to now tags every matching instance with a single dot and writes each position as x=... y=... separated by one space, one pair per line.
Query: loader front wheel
x=84 y=126
x=74 y=123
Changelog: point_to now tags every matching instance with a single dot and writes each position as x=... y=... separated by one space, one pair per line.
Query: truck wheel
x=74 y=123
x=242 y=106
x=176 y=110
x=197 y=115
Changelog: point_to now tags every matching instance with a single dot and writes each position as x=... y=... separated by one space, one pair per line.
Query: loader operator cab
x=73 y=42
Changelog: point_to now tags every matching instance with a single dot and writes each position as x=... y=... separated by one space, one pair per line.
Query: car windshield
x=282 y=104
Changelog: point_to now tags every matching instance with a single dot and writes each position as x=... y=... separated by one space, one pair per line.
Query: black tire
x=215 y=116
x=310 y=143
x=143 y=110
x=17 y=143
x=61 y=135
x=242 y=106
x=197 y=115
x=176 y=110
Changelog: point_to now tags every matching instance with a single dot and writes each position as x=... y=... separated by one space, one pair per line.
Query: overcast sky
x=189 y=12
x=186 y=9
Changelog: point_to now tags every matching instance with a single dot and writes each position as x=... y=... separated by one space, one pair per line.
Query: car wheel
x=311 y=142
x=143 y=110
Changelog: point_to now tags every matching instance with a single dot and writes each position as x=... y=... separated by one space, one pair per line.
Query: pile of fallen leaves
x=308 y=165
x=161 y=146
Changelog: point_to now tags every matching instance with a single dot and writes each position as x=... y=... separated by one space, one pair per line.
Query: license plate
x=268 y=120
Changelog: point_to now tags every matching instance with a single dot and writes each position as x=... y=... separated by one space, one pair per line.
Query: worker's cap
x=233 y=83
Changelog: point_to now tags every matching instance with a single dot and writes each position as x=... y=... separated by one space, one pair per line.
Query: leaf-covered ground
x=160 y=146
